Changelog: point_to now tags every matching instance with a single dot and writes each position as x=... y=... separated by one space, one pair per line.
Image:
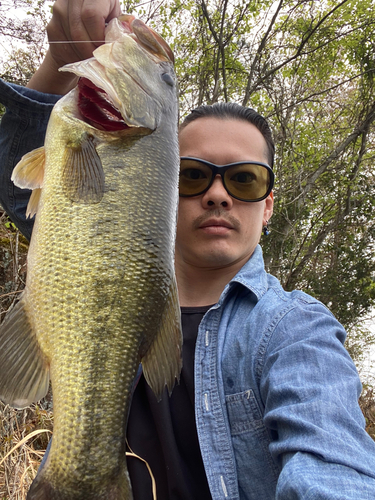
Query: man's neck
x=200 y=286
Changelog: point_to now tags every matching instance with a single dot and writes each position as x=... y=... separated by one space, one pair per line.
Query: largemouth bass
x=101 y=293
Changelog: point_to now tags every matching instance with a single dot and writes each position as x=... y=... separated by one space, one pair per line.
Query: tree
x=23 y=38
x=309 y=68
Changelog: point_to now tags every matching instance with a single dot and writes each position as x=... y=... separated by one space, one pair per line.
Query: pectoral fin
x=29 y=174
x=32 y=206
x=162 y=362
x=83 y=175
x=24 y=372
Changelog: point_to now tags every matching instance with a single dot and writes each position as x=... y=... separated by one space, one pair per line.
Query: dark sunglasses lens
x=247 y=182
x=194 y=177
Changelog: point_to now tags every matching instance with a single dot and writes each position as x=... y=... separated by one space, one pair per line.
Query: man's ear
x=268 y=207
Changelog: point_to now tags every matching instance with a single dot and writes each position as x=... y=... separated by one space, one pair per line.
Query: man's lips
x=216 y=223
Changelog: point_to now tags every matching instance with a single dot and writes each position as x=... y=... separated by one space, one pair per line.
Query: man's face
x=215 y=230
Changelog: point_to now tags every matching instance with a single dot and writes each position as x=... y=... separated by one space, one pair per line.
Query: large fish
x=101 y=293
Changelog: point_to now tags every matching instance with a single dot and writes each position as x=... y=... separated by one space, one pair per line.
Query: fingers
x=91 y=21
x=82 y=23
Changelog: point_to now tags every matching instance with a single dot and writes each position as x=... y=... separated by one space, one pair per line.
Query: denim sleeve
x=22 y=129
x=310 y=387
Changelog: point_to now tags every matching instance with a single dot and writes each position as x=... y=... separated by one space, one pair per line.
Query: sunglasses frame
x=221 y=169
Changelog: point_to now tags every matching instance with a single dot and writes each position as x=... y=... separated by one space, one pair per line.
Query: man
x=267 y=404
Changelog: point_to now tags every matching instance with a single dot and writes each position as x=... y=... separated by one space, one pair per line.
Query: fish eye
x=168 y=79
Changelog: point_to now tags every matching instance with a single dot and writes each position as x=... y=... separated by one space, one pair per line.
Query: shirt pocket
x=243 y=412
x=250 y=440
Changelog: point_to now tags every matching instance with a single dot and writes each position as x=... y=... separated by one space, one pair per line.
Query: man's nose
x=217 y=195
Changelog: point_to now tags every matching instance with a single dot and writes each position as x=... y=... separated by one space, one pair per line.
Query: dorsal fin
x=162 y=362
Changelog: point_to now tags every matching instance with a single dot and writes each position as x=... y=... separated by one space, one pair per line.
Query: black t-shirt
x=164 y=433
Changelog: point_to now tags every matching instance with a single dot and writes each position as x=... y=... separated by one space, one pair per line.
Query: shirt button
x=207 y=338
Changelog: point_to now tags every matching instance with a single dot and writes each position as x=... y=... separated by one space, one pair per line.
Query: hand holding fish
x=79 y=21
x=72 y=21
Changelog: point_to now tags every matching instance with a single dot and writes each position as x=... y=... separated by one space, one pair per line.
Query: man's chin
x=221 y=260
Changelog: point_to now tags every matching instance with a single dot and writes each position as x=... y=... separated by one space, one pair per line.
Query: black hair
x=232 y=110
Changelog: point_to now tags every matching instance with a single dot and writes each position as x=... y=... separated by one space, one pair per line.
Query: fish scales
x=114 y=275
x=101 y=292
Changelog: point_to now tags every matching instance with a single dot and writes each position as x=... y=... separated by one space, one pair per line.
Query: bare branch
x=322 y=92
x=250 y=88
x=362 y=127
x=258 y=54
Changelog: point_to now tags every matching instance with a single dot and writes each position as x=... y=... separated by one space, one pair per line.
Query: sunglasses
x=244 y=180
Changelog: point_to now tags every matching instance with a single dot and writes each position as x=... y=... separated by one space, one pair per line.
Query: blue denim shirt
x=276 y=391
x=22 y=129
x=276 y=397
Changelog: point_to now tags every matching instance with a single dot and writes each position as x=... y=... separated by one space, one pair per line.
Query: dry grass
x=13 y=253
x=21 y=463
x=367 y=404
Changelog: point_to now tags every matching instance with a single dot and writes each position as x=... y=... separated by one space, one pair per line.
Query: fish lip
x=216 y=222
x=133 y=27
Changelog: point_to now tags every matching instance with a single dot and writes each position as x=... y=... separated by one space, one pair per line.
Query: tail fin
x=117 y=489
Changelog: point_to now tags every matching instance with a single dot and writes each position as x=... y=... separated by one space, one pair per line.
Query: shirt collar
x=252 y=276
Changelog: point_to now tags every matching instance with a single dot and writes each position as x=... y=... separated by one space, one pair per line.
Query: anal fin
x=24 y=372
x=162 y=362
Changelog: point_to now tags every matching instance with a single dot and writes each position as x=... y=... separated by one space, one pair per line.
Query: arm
x=22 y=129
x=310 y=388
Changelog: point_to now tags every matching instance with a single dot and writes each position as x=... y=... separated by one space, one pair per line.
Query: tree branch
x=258 y=54
x=362 y=127
x=250 y=88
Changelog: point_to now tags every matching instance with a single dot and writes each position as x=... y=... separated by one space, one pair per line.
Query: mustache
x=218 y=213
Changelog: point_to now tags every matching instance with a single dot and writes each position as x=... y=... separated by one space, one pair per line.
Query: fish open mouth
x=97 y=109
x=98 y=103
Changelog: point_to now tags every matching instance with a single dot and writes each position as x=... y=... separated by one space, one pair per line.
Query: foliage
x=367 y=403
x=13 y=251
x=22 y=38
x=308 y=67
